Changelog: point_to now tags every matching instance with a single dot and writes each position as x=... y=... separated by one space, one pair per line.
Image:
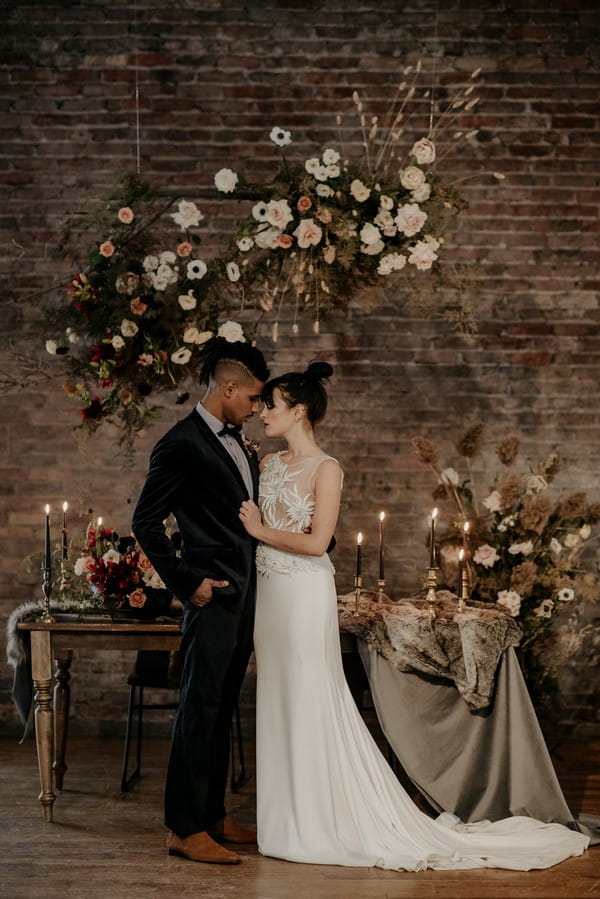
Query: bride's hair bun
x=319 y=371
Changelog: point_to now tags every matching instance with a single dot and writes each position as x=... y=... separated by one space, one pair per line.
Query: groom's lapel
x=213 y=442
x=255 y=474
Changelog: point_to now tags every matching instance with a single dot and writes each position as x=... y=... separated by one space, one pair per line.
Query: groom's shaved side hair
x=235 y=360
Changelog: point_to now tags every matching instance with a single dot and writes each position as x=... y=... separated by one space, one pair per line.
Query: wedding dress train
x=325 y=793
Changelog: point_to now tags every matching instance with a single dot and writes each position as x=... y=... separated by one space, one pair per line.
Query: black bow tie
x=229 y=430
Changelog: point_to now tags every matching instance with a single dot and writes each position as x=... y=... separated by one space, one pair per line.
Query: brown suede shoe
x=227 y=831
x=199 y=847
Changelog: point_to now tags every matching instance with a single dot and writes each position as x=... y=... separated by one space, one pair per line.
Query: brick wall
x=214 y=78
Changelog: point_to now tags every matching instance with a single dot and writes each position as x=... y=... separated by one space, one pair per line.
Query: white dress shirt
x=239 y=456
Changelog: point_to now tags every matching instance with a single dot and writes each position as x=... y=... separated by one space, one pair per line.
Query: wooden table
x=55 y=643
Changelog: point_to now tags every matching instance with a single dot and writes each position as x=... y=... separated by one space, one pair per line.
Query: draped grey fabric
x=483 y=764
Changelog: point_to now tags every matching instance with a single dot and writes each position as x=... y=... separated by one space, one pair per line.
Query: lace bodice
x=287 y=502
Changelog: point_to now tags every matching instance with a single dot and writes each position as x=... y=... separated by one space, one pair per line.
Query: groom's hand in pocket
x=204 y=593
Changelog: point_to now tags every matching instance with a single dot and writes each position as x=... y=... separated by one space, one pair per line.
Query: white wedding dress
x=325 y=793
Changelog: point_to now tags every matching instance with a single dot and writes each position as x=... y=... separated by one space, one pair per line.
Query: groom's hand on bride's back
x=204 y=593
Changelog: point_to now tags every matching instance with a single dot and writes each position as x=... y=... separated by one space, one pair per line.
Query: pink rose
x=107 y=249
x=284 y=241
x=308 y=234
x=485 y=555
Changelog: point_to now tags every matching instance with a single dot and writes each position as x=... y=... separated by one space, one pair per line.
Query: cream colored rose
x=359 y=191
x=410 y=219
x=128 y=328
x=421 y=193
x=386 y=202
x=187 y=301
x=485 y=555
x=422 y=255
x=232 y=332
x=308 y=234
x=423 y=151
x=226 y=180
x=511 y=600
x=118 y=342
x=330 y=156
x=279 y=213
x=411 y=177
x=370 y=234
x=267 y=238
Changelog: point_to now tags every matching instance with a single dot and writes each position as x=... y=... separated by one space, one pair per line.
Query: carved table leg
x=62 y=697
x=41 y=671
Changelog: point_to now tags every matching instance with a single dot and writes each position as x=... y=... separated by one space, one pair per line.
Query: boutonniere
x=251 y=446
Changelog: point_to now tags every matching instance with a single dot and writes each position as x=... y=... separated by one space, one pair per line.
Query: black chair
x=160 y=669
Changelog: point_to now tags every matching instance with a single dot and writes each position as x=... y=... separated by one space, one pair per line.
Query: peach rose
x=137 y=307
x=125 y=215
x=304 y=203
x=145 y=564
x=137 y=599
x=284 y=241
x=184 y=249
x=107 y=249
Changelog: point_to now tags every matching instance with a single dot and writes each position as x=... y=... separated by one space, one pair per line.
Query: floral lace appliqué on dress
x=287 y=503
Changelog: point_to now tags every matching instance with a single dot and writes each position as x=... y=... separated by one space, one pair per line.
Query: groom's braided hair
x=218 y=351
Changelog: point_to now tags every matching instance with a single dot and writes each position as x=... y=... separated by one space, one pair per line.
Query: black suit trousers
x=216 y=646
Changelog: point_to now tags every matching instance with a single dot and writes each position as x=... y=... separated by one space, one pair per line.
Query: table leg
x=62 y=698
x=41 y=672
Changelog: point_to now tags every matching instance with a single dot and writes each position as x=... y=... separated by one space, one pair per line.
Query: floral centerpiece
x=524 y=547
x=113 y=573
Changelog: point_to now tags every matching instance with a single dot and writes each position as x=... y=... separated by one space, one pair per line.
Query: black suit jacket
x=192 y=475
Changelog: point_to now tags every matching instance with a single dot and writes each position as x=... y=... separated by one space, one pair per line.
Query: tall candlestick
x=47 y=552
x=359 y=538
x=381 y=551
x=459 y=589
x=64 y=531
x=432 y=539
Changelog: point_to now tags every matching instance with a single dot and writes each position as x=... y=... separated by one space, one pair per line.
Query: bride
x=325 y=794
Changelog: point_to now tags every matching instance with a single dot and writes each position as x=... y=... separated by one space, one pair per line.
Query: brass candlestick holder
x=464 y=589
x=430 y=585
x=46 y=615
x=357 y=587
x=380 y=589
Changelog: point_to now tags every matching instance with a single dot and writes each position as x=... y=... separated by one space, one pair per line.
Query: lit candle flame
x=461 y=555
x=65 y=506
x=47 y=509
x=381 y=516
x=359 y=538
x=434 y=513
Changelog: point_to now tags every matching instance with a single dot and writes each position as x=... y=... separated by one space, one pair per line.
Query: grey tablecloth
x=485 y=764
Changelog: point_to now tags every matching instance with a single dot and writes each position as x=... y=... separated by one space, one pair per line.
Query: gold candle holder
x=357 y=586
x=380 y=589
x=464 y=589
x=47 y=617
x=430 y=585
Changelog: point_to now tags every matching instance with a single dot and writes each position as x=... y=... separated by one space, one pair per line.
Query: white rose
x=321 y=173
x=311 y=165
x=111 y=555
x=279 y=213
x=410 y=219
x=51 y=347
x=393 y=262
x=191 y=334
x=585 y=531
x=386 y=202
x=411 y=177
x=423 y=151
x=370 y=234
x=571 y=540
x=521 y=548
x=511 y=600
x=226 y=180
x=181 y=356
x=421 y=193
x=372 y=249
x=196 y=269
x=493 y=501
x=324 y=190
x=82 y=565
x=118 y=342
x=153 y=579
x=233 y=271
x=187 y=301
x=330 y=157
x=385 y=221
x=150 y=263
x=485 y=555
x=168 y=257
x=422 y=255
x=128 y=328
x=266 y=238
x=232 y=332
x=187 y=216
x=359 y=191
x=333 y=171
x=308 y=234
x=555 y=546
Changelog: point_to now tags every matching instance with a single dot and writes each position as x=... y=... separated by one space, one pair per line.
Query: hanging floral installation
x=323 y=231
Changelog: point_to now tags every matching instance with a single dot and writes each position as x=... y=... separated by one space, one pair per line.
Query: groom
x=201 y=472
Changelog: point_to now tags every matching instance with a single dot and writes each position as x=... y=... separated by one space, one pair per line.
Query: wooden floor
x=107 y=844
